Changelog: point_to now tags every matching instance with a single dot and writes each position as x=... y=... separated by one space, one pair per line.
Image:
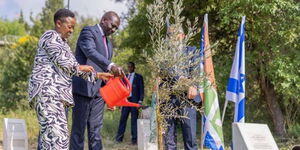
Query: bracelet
x=77 y=70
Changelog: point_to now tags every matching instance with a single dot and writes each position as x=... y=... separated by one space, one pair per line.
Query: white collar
x=101 y=30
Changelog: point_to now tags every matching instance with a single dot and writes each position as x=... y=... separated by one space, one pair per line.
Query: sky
x=10 y=9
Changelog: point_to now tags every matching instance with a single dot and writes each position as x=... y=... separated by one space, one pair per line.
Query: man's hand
x=104 y=75
x=192 y=92
x=111 y=108
x=117 y=71
x=86 y=68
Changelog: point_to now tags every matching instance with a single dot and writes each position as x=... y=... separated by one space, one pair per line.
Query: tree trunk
x=159 y=130
x=273 y=106
x=159 y=118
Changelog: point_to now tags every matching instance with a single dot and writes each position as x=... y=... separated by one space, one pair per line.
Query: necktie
x=105 y=44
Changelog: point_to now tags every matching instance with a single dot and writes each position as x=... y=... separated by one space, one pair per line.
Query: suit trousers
x=87 y=112
x=123 y=121
x=188 y=127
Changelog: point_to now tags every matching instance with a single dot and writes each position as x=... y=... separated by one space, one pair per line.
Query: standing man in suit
x=94 y=49
x=136 y=96
x=188 y=125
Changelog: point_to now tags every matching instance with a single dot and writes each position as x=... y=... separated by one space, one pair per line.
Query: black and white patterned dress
x=50 y=88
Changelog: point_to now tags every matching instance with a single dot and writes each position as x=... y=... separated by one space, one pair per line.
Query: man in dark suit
x=94 y=49
x=188 y=125
x=136 y=96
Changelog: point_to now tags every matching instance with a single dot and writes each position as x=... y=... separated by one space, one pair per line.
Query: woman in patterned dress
x=50 y=87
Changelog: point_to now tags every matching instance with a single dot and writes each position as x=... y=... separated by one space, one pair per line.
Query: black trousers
x=188 y=127
x=123 y=120
x=87 y=112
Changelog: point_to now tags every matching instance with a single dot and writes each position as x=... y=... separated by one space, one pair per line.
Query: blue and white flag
x=236 y=84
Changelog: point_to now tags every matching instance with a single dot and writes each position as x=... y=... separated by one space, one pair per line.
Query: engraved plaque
x=251 y=136
x=14 y=134
x=144 y=135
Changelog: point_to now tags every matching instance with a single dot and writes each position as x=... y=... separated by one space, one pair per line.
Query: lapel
x=127 y=76
x=133 y=78
x=100 y=40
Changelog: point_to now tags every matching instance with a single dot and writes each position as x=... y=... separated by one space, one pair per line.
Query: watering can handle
x=127 y=82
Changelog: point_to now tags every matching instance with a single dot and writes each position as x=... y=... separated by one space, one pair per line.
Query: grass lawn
x=111 y=121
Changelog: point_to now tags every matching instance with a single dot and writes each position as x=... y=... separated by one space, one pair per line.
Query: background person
x=188 y=125
x=136 y=96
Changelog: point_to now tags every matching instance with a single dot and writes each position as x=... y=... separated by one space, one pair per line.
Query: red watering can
x=115 y=93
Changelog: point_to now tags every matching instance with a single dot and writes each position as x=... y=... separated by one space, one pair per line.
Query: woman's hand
x=104 y=75
x=112 y=108
x=86 y=68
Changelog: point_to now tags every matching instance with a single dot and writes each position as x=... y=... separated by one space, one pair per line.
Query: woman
x=50 y=86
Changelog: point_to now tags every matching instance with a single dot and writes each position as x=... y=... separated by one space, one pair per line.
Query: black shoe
x=134 y=143
x=117 y=141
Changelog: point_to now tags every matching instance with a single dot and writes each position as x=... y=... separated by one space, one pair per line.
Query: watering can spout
x=125 y=102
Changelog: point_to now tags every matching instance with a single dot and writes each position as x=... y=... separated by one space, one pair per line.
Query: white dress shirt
x=131 y=78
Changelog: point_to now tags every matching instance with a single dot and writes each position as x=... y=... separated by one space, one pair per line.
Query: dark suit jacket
x=137 y=93
x=192 y=50
x=90 y=50
x=187 y=50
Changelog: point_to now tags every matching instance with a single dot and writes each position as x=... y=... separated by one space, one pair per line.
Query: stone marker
x=144 y=134
x=14 y=134
x=146 y=113
x=251 y=136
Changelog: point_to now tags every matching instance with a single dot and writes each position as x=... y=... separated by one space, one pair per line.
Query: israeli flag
x=236 y=84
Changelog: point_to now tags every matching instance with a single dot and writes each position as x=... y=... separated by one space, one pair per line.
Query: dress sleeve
x=61 y=56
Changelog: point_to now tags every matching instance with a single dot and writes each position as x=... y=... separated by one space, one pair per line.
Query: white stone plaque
x=146 y=113
x=251 y=136
x=144 y=135
x=14 y=134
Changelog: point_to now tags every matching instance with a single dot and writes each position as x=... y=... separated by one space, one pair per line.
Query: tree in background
x=22 y=21
x=45 y=20
x=81 y=22
x=272 y=54
x=10 y=32
x=17 y=59
x=13 y=28
x=14 y=73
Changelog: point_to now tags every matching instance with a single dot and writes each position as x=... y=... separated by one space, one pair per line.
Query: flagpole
x=201 y=142
x=212 y=133
x=224 y=110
